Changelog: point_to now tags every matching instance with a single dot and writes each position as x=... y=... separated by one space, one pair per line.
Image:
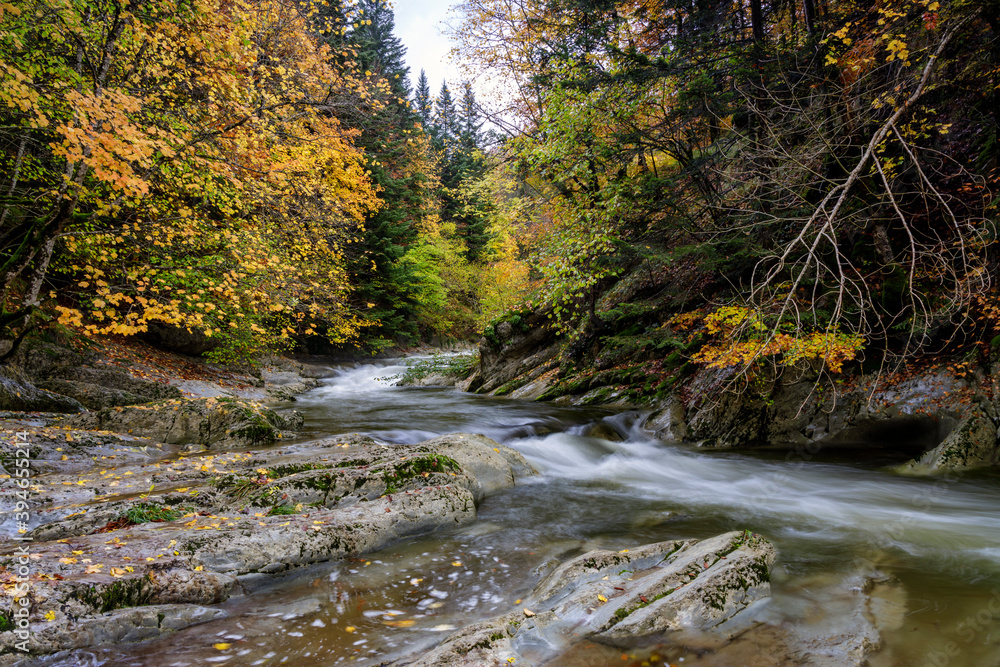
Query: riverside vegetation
x=763 y=225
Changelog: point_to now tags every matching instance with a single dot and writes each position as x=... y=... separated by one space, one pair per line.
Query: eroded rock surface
x=972 y=444
x=677 y=588
x=205 y=421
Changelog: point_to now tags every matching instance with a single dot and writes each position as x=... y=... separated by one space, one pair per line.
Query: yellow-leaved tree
x=177 y=162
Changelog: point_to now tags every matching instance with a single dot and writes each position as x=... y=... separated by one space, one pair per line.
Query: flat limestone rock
x=222 y=520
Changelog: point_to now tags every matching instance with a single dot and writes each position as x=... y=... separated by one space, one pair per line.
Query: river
x=830 y=513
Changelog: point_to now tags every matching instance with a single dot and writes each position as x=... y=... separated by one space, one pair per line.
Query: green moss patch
x=407 y=470
x=143 y=513
x=119 y=595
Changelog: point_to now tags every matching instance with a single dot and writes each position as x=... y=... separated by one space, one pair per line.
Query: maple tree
x=178 y=162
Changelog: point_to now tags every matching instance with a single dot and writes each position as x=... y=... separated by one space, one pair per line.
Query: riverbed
x=836 y=517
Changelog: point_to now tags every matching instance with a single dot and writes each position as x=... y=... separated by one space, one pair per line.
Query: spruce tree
x=424 y=104
x=381 y=278
x=469 y=121
x=379 y=50
x=446 y=119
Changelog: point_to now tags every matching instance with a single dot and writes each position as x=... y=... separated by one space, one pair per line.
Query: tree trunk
x=757 y=22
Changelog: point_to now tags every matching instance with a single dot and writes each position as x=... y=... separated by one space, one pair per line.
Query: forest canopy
x=802 y=179
x=799 y=180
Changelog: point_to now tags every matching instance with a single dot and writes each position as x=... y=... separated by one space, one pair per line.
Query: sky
x=420 y=26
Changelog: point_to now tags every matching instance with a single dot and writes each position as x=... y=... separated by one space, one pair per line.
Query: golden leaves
x=220 y=190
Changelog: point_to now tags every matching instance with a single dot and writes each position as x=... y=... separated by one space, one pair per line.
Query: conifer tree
x=424 y=104
x=384 y=281
x=469 y=121
x=378 y=49
x=446 y=119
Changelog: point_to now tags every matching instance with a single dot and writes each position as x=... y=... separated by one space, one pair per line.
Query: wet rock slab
x=219 y=523
x=684 y=588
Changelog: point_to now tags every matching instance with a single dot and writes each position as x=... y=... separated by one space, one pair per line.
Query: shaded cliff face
x=515 y=353
x=940 y=412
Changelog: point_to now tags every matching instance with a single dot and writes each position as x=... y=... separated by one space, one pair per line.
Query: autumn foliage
x=179 y=163
x=827 y=168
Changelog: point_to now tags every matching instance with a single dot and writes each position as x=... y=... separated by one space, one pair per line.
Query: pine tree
x=469 y=121
x=424 y=104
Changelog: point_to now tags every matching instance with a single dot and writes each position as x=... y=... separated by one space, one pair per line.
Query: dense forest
x=787 y=180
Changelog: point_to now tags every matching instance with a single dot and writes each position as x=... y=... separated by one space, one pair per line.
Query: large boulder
x=938 y=414
x=515 y=352
x=20 y=396
x=205 y=421
x=972 y=444
x=246 y=517
x=80 y=377
x=491 y=466
x=677 y=588
x=92 y=396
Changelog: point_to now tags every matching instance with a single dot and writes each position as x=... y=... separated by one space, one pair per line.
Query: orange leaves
x=832 y=349
x=739 y=337
x=101 y=135
x=216 y=190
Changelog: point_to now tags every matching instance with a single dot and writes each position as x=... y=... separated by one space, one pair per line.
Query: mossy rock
x=204 y=421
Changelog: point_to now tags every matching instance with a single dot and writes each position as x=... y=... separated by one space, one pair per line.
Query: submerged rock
x=679 y=588
x=847 y=628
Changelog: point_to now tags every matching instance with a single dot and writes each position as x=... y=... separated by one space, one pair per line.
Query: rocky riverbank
x=87 y=375
x=145 y=517
x=127 y=550
x=943 y=412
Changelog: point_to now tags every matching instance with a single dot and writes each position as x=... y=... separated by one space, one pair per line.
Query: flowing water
x=831 y=514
